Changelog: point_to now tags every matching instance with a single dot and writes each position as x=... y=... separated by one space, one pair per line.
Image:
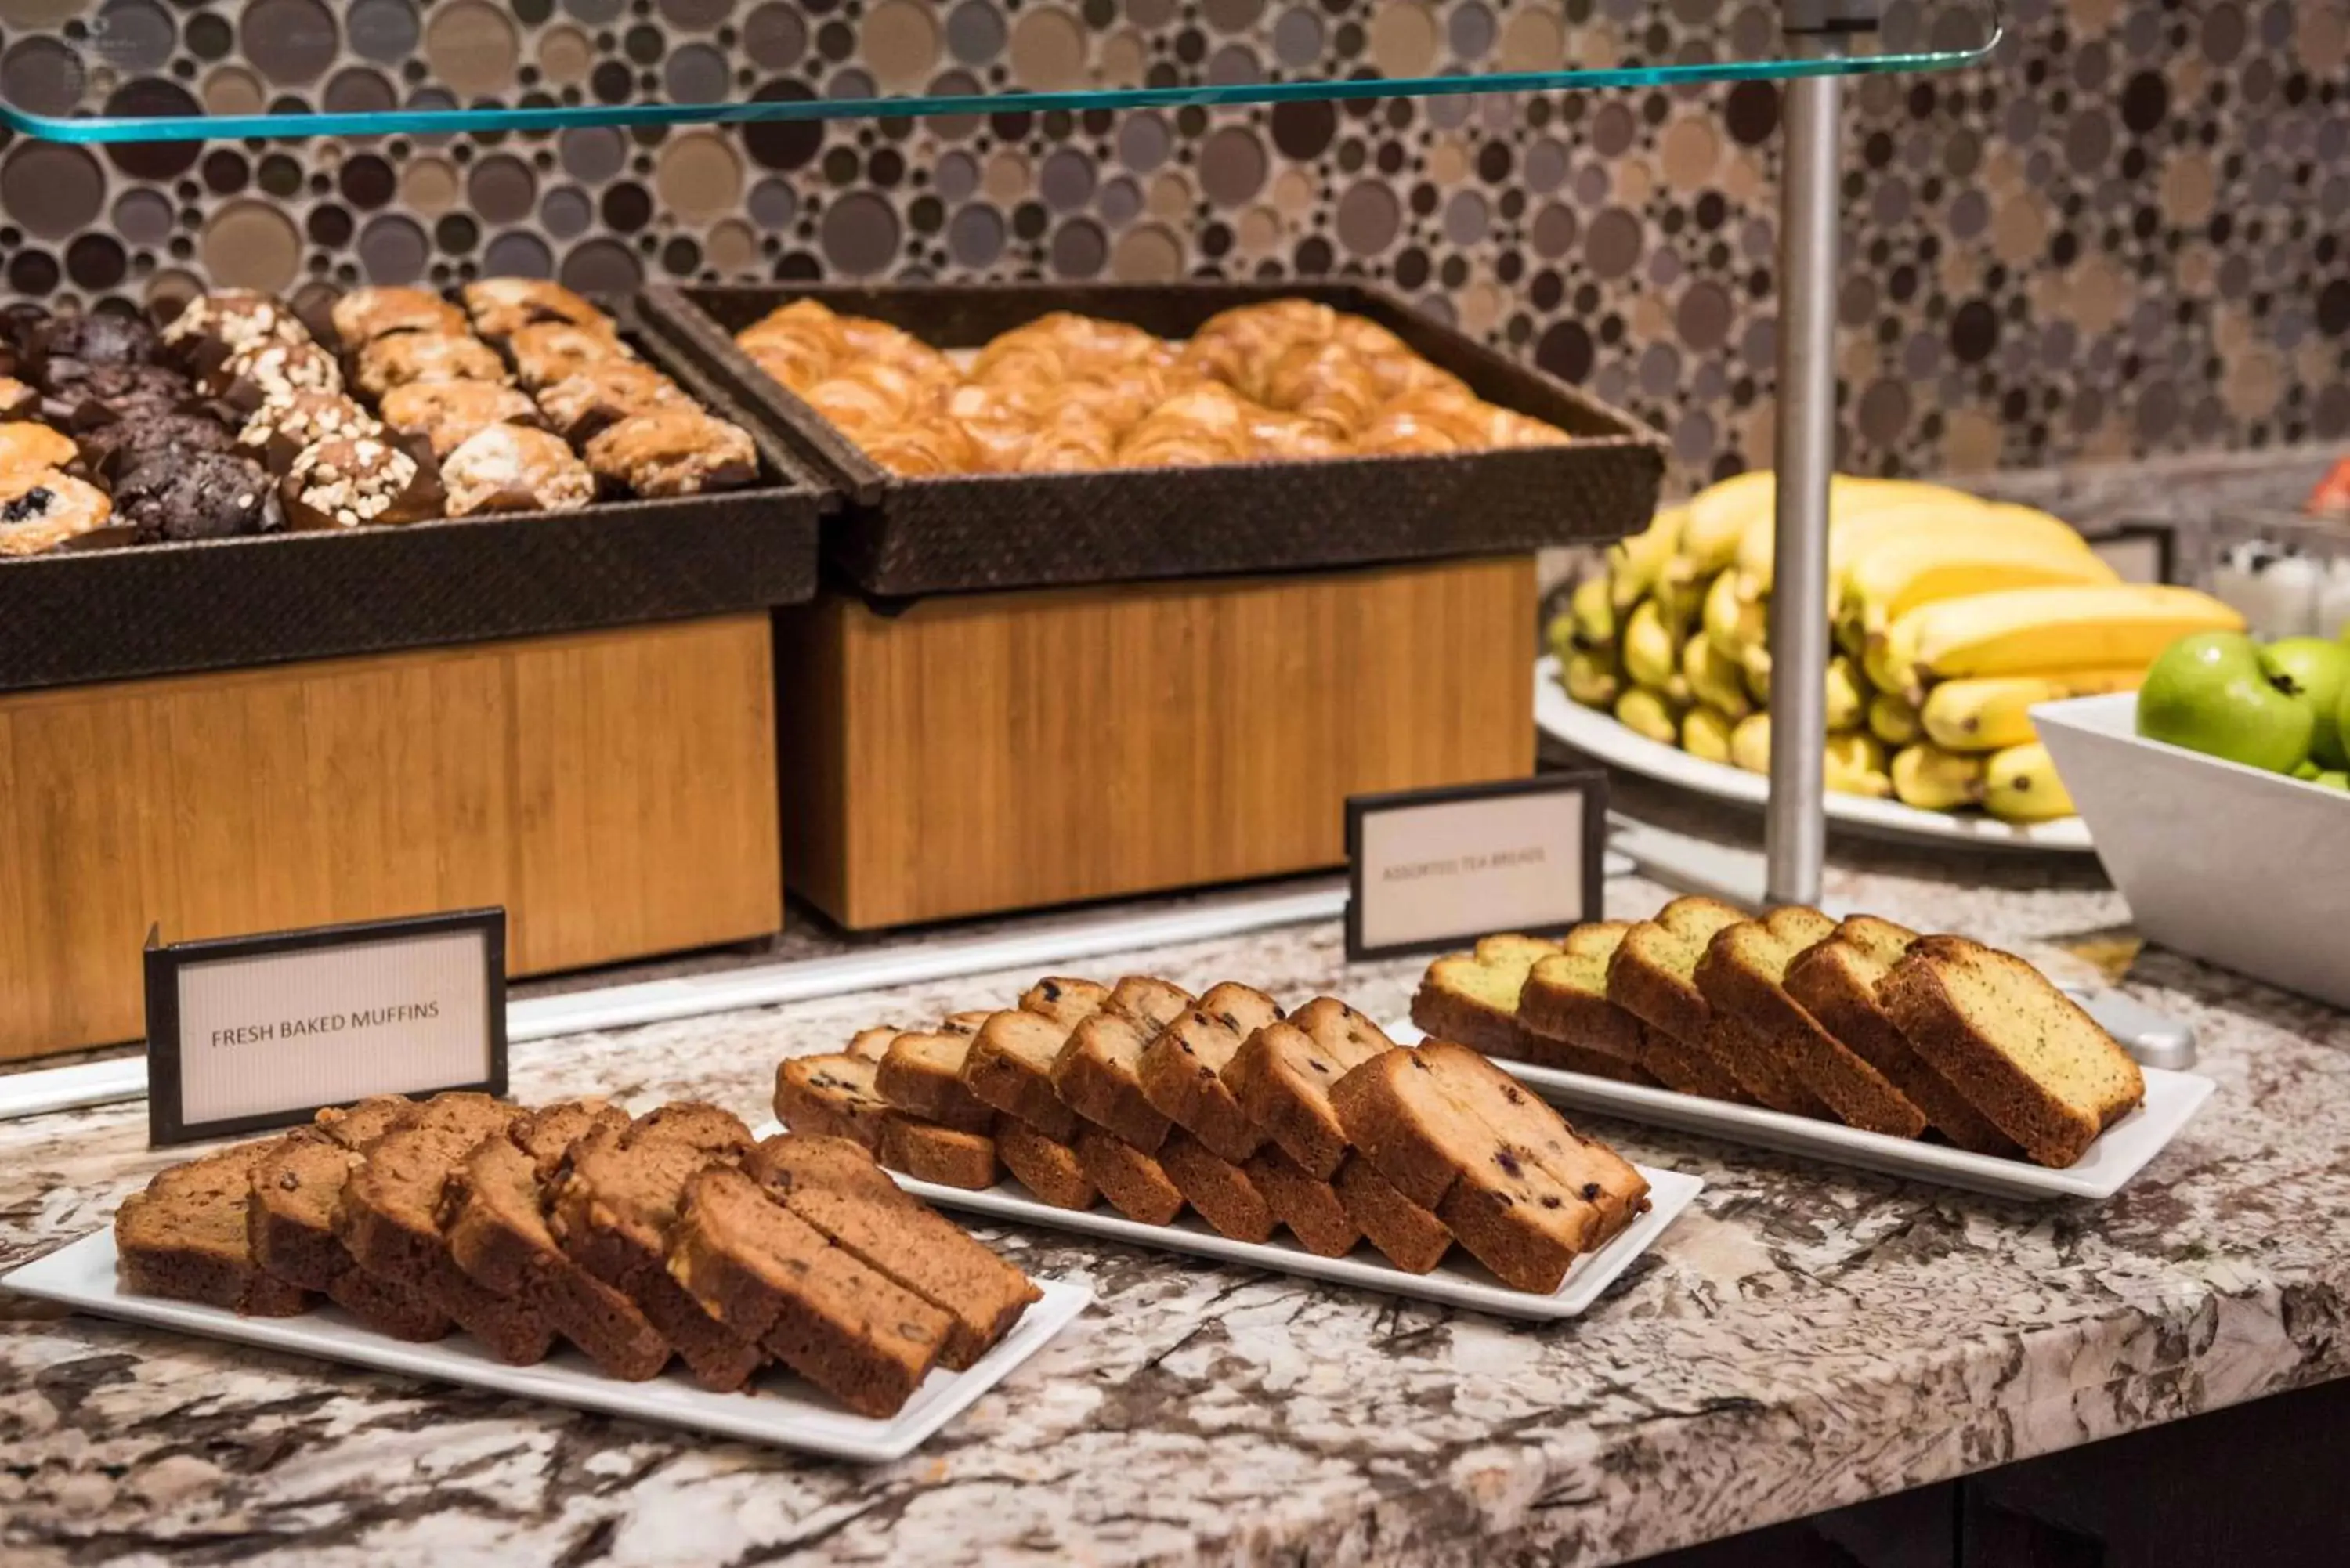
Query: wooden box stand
x=998 y=752
x=614 y=789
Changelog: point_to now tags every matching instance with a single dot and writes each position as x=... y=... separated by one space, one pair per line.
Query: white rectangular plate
x=2171 y=1100
x=778 y=1409
x=1458 y=1281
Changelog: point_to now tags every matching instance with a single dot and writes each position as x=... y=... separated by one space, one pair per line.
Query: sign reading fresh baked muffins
x=1431 y=868
x=249 y=1033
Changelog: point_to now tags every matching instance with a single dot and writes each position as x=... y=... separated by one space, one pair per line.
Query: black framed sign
x=1435 y=868
x=245 y=1033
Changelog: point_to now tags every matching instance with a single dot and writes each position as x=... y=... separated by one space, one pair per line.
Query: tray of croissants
x=1007 y=435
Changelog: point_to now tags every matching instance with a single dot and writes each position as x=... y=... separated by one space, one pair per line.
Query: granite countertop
x=1805 y=1337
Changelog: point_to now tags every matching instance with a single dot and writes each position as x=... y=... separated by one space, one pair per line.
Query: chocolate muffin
x=82 y=393
x=116 y=448
x=178 y=496
x=353 y=482
x=93 y=338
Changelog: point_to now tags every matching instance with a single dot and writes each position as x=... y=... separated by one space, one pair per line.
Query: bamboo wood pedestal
x=988 y=753
x=614 y=789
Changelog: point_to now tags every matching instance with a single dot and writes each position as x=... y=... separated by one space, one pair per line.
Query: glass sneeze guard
x=151 y=71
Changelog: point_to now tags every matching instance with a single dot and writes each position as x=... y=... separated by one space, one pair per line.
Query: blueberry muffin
x=43 y=510
x=354 y=482
x=677 y=452
x=180 y=495
x=407 y=357
x=25 y=446
x=512 y=468
x=364 y=315
x=449 y=413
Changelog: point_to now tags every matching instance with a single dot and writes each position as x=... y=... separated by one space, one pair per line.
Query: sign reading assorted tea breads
x=249 y=1033
x=1434 y=869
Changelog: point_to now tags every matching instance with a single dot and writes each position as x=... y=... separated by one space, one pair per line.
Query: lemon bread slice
x=186 y=1237
x=1182 y=1070
x=1743 y=974
x=947 y=1156
x=835 y=1185
x=1652 y=972
x=1067 y=1000
x=1473 y=997
x=1044 y=1165
x=921 y=1075
x=2023 y=1051
x=1010 y=1067
x=1836 y=981
x=1219 y=1190
x=1564 y=997
x=1097 y=1075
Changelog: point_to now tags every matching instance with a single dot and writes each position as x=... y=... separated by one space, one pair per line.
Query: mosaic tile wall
x=2130 y=234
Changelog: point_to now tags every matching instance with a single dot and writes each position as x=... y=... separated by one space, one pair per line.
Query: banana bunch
x=1950 y=617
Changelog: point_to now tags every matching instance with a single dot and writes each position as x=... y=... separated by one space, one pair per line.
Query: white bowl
x=2246 y=868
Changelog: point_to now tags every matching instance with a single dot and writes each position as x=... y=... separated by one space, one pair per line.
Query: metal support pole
x=1796 y=829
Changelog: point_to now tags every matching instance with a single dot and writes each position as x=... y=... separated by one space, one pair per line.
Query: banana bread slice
x=1096 y=1075
x=1473 y=997
x=1836 y=981
x=359 y=1125
x=1306 y=1204
x=290 y=1224
x=921 y=1075
x=1282 y=1075
x=1565 y=999
x=1180 y=1071
x=1218 y=1189
x=1067 y=1000
x=2023 y=1051
x=1044 y=1165
x=1010 y=1067
x=835 y=1096
x=614 y=1207
x=771 y=1277
x=951 y=1158
x=499 y=1235
x=1153 y=1002
x=1743 y=975
x=1136 y=1184
x=389 y=1217
x=836 y=1187
x=1408 y=1236
x=547 y=1134
x=185 y=1237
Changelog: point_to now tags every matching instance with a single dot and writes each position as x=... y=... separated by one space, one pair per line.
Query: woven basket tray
x=161 y=610
x=925 y=535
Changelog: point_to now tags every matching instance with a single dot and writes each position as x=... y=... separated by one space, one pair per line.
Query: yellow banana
x=1718 y=516
x=1733 y=623
x=1993 y=712
x=1705 y=733
x=1750 y=744
x=1892 y=721
x=1649 y=714
x=1652 y=654
x=2020 y=785
x=1902 y=573
x=1590 y=677
x=1932 y=779
x=2019 y=630
x=1856 y=765
x=1755 y=659
x=1591 y=613
x=1848 y=704
x=1851 y=503
x=1679 y=602
x=1633 y=564
x=1715 y=678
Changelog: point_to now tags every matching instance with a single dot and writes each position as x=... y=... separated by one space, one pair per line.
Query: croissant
x=998 y=423
x=932 y=447
x=1072 y=442
x=1291 y=436
x=1401 y=430
x=1324 y=382
x=1208 y=423
x=1075 y=347
x=872 y=395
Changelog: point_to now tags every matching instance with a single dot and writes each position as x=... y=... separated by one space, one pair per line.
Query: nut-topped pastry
x=43 y=510
x=273 y=372
x=182 y=495
x=353 y=482
x=502 y=306
x=364 y=315
x=406 y=357
x=677 y=452
x=512 y=468
x=595 y=395
x=278 y=432
x=549 y=351
x=449 y=413
x=232 y=319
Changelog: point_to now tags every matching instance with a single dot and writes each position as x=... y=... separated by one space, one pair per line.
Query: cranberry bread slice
x=499 y=1236
x=833 y=1096
x=1136 y=1184
x=1222 y=1191
x=921 y=1075
x=1010 y=1068
x=836 y=1187
x=1282 y=1075
x=1151 y=1003
x=1408 y=1236
x=1473 y=997
x=1097 y=1075
x=1835 y=982
x=185 y=1237
x=1743 y=975
x=771 y=1277
x=1046 y=1166
x=1306 y=1204
x=615 y=1206
x=1067 y=1000
x=874 y=1044
x=1565 y=1000
x=950 y=1158
x=2023 y=1051
x=1182 y=1070
x=965 y=1024
x=290 y=1225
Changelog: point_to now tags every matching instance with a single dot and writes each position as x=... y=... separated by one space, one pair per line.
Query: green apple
x=2319 y=671
x=2209 y=693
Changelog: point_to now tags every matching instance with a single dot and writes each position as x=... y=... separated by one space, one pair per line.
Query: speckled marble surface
x=1805 y=1337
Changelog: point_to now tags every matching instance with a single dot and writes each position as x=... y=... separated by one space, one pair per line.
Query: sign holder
x=1579 y=893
